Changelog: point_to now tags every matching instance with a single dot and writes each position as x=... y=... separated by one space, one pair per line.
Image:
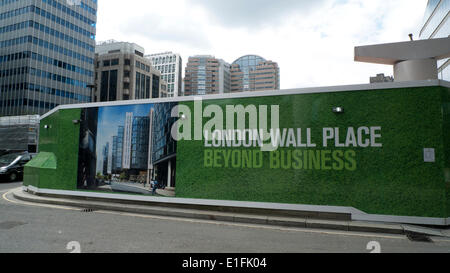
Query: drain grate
x=87 y=210
x=418 y=237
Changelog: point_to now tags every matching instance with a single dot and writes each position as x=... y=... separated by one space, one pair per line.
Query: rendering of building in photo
x=437 y=25
x=130 y=144
x=105 y=155
x=117 y=151
x=123 y=73
x=206 y=75
x=140 y=142
x=47 y=51
x=163 y=152
x=171 y=67
x=254 y=73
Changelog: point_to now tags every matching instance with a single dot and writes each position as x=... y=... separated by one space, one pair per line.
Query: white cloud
x=312 y=42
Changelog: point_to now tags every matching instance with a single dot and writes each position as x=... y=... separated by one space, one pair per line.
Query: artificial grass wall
x=392 y=179
x=58 y=144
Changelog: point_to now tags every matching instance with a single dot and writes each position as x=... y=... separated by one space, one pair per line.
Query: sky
x=311 y=40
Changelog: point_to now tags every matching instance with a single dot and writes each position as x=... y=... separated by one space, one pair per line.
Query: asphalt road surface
x=5 y=186
x=31 y=228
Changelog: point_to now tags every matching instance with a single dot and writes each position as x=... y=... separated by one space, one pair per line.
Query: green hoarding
x=386 y=153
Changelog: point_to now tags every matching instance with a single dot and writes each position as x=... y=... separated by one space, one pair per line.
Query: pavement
x=261 y=216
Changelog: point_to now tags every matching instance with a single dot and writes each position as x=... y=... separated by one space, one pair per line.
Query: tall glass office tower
x=437 y=25
x=47 y=51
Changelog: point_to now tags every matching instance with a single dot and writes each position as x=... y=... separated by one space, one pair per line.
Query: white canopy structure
x=412 y=60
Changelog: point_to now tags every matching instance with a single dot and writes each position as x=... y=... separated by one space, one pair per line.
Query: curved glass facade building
x=47 y=51
x=437 y=25
x=254 y=73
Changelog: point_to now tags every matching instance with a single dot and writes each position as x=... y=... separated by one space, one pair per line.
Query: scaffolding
x=19 y=133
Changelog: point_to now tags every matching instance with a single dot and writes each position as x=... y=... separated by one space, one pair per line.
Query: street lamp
x=91 y=87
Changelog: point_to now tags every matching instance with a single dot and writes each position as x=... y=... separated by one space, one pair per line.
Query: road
x=5 y=186
x=34 y=228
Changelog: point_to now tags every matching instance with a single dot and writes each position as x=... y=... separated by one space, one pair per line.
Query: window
x=106 y=63
x=115 y=62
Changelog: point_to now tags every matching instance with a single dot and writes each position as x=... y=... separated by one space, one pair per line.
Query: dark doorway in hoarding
x=87 y=149
x=164 y=172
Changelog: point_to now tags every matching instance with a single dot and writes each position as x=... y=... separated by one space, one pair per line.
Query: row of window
x=437 y=19
x=16 y=12
x=111 y=62
x=142 y=66
x=169 y=78
x=71 y=12
x=263 y=73
x=7 y=2
x=62 y=22
x=47 y=60
x=254 y=79
x=45 y=90
x=28 y=102
x=47 y=30
x=47 y=45
x=166 y=68
x=58 y=92
x=58 y=78
x=49 y=16
x=42 y=74
x=142 y=86
x=62 y=36
x=55 y=4
x=164 y=60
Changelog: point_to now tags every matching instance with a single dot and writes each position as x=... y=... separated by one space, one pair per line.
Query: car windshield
x=8 y=159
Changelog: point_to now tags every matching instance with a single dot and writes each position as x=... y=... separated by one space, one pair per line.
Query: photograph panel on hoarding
x=127 y=149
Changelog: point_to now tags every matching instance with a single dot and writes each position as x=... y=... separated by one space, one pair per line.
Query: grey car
x=12 y=165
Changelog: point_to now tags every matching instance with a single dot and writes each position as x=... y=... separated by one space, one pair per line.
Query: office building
x=123 y=73
x=206 y=75
x=437 y=25
x=170 y=65
x=47 y=51
x=254 y=73
x=379 y=78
